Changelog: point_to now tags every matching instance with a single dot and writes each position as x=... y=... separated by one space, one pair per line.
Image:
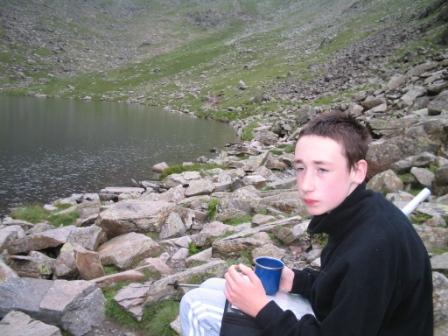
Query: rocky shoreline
x=193 y=224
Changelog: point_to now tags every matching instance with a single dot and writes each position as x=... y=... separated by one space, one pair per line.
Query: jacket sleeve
x=362 y=291
x=303 y=282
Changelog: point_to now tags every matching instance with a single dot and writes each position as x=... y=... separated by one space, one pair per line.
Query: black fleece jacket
x=375 y=276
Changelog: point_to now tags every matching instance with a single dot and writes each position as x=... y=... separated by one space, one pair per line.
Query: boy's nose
x=306 y=181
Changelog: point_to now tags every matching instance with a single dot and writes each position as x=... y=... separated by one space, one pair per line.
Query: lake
x=51 y=148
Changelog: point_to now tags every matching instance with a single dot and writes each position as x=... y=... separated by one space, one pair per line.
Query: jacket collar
x=341 y=219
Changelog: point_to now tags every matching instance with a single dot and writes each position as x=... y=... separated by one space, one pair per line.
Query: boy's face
x=323 y=177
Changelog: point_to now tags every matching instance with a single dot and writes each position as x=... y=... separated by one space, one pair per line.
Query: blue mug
x=269 y=270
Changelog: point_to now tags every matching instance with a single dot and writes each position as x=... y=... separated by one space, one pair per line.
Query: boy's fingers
x=248 y=272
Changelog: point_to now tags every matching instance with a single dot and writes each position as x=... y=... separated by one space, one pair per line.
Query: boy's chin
x=316 y=211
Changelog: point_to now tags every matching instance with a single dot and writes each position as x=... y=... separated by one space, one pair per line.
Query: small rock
x=88 y=263
x=424 y=176
x=128 y=249
x=160 y=167
x=386 y=182
x=259 y=219
x=440 y=262
x=18 y=323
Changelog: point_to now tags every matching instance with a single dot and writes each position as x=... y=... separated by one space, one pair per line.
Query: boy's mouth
x=310 y=202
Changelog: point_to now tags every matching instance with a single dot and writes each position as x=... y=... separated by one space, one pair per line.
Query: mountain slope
x=217 y=59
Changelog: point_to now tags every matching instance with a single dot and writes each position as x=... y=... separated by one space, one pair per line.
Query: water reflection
x=52 y=148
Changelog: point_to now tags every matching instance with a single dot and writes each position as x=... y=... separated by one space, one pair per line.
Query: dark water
x=53 y=148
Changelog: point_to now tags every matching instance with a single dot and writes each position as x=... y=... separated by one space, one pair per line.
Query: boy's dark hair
x=345 y=130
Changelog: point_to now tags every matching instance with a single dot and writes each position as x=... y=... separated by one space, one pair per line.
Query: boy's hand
x=245 y=290
x=286 y=280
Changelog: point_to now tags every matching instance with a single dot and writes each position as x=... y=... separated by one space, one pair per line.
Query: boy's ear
x=359 y=171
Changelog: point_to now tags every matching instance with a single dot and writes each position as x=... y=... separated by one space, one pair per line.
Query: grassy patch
x=63 y=219
x=177 y=169
x=212 y=208
x=111 y=269
x=31 y=213
x=114 y=311
x=193 y=248
x=248 y=131
x=244 y=258
x=325 y=100
x=62 y=206
x=199 y=278
x=276 y=151
x=433 y=168
x=283 y=148
x=149 y=72
x=439 y=250
x=153 y=235
x=238 y=220
x=321 y=239
x=287 y=148
x=419 y=218
x=44 y=52
x=263 y=211
x=407 y=178
x=36 y=214
x=6 y=57
x=156 y=318
x=150 y=274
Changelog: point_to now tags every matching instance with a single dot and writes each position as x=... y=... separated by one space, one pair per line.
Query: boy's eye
x=322 y=170
x=299 y=169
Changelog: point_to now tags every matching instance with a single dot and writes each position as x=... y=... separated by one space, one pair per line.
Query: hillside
x=265 y=66
x=220 y=59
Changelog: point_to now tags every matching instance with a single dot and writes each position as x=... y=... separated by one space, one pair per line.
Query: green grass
x=419 y=218
x=248 y=131
x=159 y=316
x=111 y=269
x=439 y=250
x=244 y=258
x=156 y=318
x=430 y=41
x=263 y=211
x=276 y=151
x=320 y=238
x=31 y=213
x=153 y=235
x=193 y=249
x=177 y=169
x=62 y=206
x=63 y=219
x=197 y=52
x=287 y=148
x=200 y=277
x=238 y=220
x=36 y=214
x=44 y=52
x=324 y=100
x=150 y=274
x=212 y=208
x=283 y=148
x=6 y=57
x=407 y=178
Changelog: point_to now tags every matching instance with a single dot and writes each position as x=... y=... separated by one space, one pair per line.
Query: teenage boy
x=375 y=275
